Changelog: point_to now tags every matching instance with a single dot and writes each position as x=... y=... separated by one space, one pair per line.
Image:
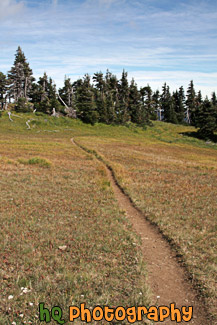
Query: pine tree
x=191 y=103
x=3 y=89
x=20 y=77
x=179 y=102
x=214 y=99
x=100 y=97
x=112 y=100
x=135 y=106
x=148 y=102
x=156 y=104
x=206 y=119
x=172 y=116
x=40 y=95
x=110 y=108
x=168 y=105
x=44 y=96
x=198 y=104
x=52 y=96
x=123 y=91
x=85 y=103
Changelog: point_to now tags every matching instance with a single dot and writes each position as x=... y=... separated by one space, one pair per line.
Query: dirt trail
x=166 y=277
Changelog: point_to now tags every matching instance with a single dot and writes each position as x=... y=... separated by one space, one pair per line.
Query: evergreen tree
x=44 y=96
x=85 y=103
x=100 y=97
x=198 y=104
x=168 y=105
x=3 y=89
x=40 y=95
x=52 y=96
x=179 y=102
x=148 y=102
x=191 y=103
x=214 y=99
x=171 y=114
x=156 y=104
x=20 y=77
x=123 y=90
x=35 y=94
x=135 y=104
x=206 y=119
x=110 y=108
x=112 y=100
x=163 y=100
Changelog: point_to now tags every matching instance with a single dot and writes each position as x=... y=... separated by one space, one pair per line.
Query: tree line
x=106 y=99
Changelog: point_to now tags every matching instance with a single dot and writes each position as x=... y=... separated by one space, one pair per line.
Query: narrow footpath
x=166 y=277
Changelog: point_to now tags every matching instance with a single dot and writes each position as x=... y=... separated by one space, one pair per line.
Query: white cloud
x=10 y=8
x=92 y=35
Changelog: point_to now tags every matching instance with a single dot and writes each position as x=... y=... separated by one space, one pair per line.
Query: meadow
x=63 y=236
x=173 y=179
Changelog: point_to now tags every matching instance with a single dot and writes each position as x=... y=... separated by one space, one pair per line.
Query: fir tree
x=85 y=103
x=136 y=107
x=168 y=105
x=214 y=99
x=40 y=95
x=206 y=119
x=20 y=77
x=52 y=96
x=148 y=102
x=122 y=110
x=110 y=108
x=44 y=96
x=156 y=104
x=3 y=89
x=112 y=100
x=191 y=104
x=100 y=97
x=198 y=104
x=179 y=104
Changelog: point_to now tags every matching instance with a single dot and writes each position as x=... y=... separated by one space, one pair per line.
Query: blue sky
x=156 y=41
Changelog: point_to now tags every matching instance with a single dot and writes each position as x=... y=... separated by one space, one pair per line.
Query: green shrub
x=35 y=161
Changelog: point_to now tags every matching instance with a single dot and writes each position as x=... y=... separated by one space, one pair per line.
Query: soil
x=167 y=278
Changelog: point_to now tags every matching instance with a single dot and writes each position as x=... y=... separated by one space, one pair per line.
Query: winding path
x=166 y=277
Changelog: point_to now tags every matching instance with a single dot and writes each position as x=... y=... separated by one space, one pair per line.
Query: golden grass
x=171 y=177
x=175 y=185
x=72 y=205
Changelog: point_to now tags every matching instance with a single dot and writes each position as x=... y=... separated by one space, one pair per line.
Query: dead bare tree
x=55 y=114
x=71 y=112
x=27 y=123
x=9 y=115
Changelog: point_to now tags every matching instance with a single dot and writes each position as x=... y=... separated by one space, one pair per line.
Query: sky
x=155 y=41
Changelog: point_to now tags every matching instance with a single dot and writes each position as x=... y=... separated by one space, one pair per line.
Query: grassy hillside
x=53 y=195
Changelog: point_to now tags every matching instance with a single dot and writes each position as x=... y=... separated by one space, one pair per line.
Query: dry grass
x=172 y=178
x=70 y=204
x=174 y=182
